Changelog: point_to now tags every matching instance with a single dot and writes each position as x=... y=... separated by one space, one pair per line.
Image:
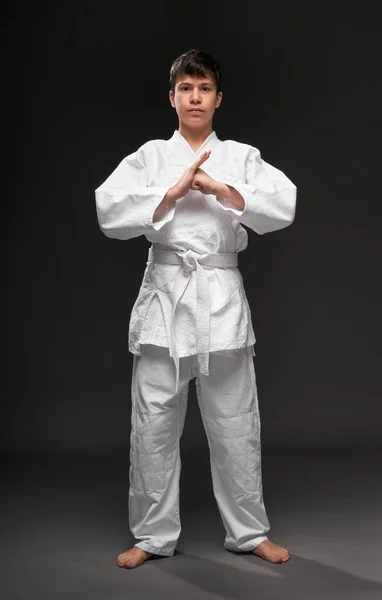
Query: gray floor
x=65 y=521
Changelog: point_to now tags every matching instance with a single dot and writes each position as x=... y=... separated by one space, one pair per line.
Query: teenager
x=190 y=196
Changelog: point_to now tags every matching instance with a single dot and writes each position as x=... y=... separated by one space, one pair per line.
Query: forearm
x=166 y=204
x=226 y=192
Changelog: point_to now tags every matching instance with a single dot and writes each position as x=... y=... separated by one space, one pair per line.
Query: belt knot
x=189 y=260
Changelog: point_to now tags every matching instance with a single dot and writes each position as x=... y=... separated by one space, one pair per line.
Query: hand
x=181 y=188
x=184 y=184
x=204 y=183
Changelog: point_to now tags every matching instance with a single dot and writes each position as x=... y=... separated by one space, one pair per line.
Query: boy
x=189 y=195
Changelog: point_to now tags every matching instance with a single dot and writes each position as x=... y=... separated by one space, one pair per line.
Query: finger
x=206 y=154
x=202 y=158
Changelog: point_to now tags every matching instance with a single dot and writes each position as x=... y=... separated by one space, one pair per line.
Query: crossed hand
x=195 y=178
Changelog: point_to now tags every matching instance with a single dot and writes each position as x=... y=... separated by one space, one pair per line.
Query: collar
x=211 y=141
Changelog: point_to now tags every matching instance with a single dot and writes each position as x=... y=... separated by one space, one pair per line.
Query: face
x=195 y=99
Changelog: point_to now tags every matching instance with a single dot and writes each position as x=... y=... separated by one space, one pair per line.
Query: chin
x=197 y=120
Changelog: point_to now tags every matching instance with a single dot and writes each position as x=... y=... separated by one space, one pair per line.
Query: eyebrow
x=189 y=83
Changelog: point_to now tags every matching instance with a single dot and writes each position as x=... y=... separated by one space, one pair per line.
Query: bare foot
x=272 y=552
x=133 y=557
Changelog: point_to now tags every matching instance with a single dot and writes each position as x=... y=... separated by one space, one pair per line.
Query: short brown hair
x=195 y=63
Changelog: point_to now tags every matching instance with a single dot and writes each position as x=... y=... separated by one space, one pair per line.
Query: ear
x=219 y=97
x=172 y=98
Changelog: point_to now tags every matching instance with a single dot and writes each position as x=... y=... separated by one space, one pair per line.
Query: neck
x=195 y=135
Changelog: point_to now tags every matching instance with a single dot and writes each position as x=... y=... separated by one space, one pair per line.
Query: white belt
x=190 y=261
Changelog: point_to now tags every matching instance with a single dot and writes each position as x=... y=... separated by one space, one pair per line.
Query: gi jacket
x=198 y=222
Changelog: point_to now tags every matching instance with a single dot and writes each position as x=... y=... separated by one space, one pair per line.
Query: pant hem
x=249 y=546
x=154 y=550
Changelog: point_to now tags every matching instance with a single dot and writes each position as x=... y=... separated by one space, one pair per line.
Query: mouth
x=195 y=110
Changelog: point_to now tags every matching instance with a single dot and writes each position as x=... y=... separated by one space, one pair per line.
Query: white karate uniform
x=191 y=311
x=229 y=407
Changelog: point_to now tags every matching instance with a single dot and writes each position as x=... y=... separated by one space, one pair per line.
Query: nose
x=195 y=95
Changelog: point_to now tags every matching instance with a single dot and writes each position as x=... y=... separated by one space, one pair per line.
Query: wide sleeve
x=269 y=196
x=125 y=204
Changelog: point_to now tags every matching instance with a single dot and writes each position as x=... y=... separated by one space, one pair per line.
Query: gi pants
x=228 y=403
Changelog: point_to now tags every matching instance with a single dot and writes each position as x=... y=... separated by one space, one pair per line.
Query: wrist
x=171 y=196
x=230 y=195
x=221 y=191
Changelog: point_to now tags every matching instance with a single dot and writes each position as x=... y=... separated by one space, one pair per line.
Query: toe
x=286 y=557
x=130 y=562
x=125 y=561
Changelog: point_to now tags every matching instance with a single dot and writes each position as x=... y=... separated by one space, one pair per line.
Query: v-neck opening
x=187 y=145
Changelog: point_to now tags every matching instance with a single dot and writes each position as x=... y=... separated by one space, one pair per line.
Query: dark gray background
x=88 y=84
x=85 y=84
